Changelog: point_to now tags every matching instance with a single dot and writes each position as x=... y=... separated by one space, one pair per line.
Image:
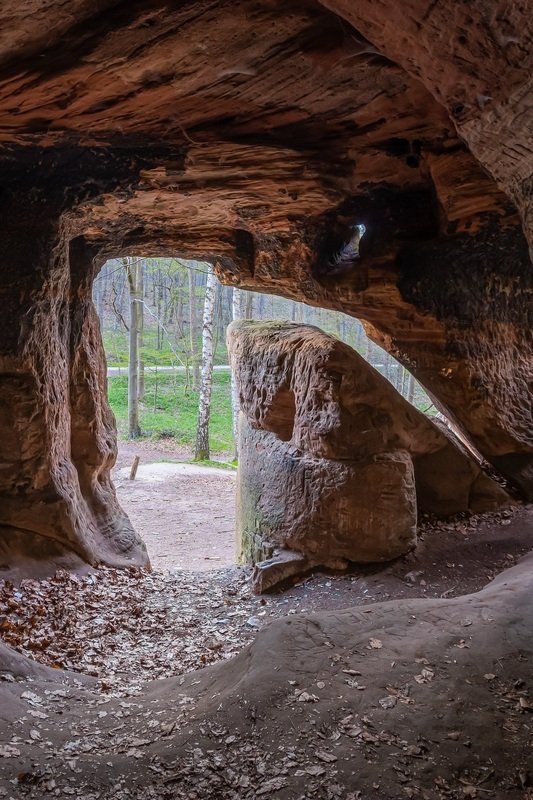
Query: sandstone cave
x=372 y=157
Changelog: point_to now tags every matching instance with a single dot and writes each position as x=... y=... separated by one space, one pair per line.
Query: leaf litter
x=159 y=625
x=166 y=624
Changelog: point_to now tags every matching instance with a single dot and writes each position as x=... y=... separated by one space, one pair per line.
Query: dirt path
x=185 y=513
x=379 y=684
x=429 y=696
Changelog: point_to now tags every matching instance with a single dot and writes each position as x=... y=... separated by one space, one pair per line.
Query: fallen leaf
x=525 y=704
x=272 y=785
x=323 y=755
x=315 y=770
x=306 y=697
x=9 y=751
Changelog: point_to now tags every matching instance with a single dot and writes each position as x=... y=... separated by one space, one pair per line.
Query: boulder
x=333 y=462
x=359 y=510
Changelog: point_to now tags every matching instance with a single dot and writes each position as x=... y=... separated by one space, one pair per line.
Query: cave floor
x=185 y=513
x=383 y=683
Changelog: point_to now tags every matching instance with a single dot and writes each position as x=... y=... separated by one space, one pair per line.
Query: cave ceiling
x=275 y=112
x=257 y=134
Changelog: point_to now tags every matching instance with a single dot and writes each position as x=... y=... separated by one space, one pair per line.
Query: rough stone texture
x=435 y=656
x=333 y=462
x=277 y=569
x=256 y=134
x=58 y=446
x=360 y=510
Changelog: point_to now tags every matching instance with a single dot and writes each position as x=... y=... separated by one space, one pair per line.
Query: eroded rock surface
x=430 y=694
x=257 y=134
x=58 y=442
x=333 y=462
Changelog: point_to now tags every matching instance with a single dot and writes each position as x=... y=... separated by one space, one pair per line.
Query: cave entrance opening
x=184 y=510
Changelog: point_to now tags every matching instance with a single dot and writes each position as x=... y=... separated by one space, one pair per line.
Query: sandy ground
x=406 y=680
x=414 y=697
x=185 y=513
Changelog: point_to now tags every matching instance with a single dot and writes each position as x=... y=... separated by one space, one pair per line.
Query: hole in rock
x=182 y=617
x=281 y=414
x=185 y=510
x=183 y=507
x=348 y=251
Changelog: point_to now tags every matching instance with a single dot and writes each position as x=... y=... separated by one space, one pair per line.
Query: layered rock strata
x=259 y=134
x=333 y=462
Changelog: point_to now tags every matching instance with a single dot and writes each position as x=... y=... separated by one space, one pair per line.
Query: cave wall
x=480 y=71
x=257 y=134
x=454 y=307
x=58 y=440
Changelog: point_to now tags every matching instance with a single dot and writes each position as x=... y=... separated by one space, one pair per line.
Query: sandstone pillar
x=333 y=462
x=57 y=438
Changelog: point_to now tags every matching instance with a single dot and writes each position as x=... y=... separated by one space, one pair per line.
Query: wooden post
x=133 y=470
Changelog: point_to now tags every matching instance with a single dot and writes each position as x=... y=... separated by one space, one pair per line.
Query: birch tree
x=192 y=330
x=133 y=272
x=139 y=274
x=248 y=305
x=237 y=312
x=201 y=452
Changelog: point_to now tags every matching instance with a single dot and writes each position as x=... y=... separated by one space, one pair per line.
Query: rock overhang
x=256 y=135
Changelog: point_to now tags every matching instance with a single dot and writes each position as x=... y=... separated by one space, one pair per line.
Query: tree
x=411 y=389
x=201 y=452
x=139 y=272
x=237 y=313
x=192 y=330
x=248 y=305
x=133 y=272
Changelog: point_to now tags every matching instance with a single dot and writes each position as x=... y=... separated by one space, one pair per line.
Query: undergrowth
x=169 y=408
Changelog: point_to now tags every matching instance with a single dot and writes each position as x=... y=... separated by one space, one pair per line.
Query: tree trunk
x=237 y=313
x=248 y=305
x=360 y=337
x=98 y=294
x=411 y=389
x=202 y=431
x=367 y=355
x=139 y=273
x=386 y=367
x=293 y=311
x=159 y=304
x=134 y=430
x=192 y=331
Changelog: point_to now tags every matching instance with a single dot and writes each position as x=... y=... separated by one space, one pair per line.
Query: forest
x=172 y=315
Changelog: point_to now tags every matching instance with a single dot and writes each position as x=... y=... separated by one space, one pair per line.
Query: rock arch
x=179 y=128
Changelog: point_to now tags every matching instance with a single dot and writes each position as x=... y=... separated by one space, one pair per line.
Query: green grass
x=230 y=466
x=171 y=410
x=116 y=350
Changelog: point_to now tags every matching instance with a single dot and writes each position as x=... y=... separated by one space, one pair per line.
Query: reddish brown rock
x=333 y=462
x=326 y=508
x=58 y=443
x=256 y=134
